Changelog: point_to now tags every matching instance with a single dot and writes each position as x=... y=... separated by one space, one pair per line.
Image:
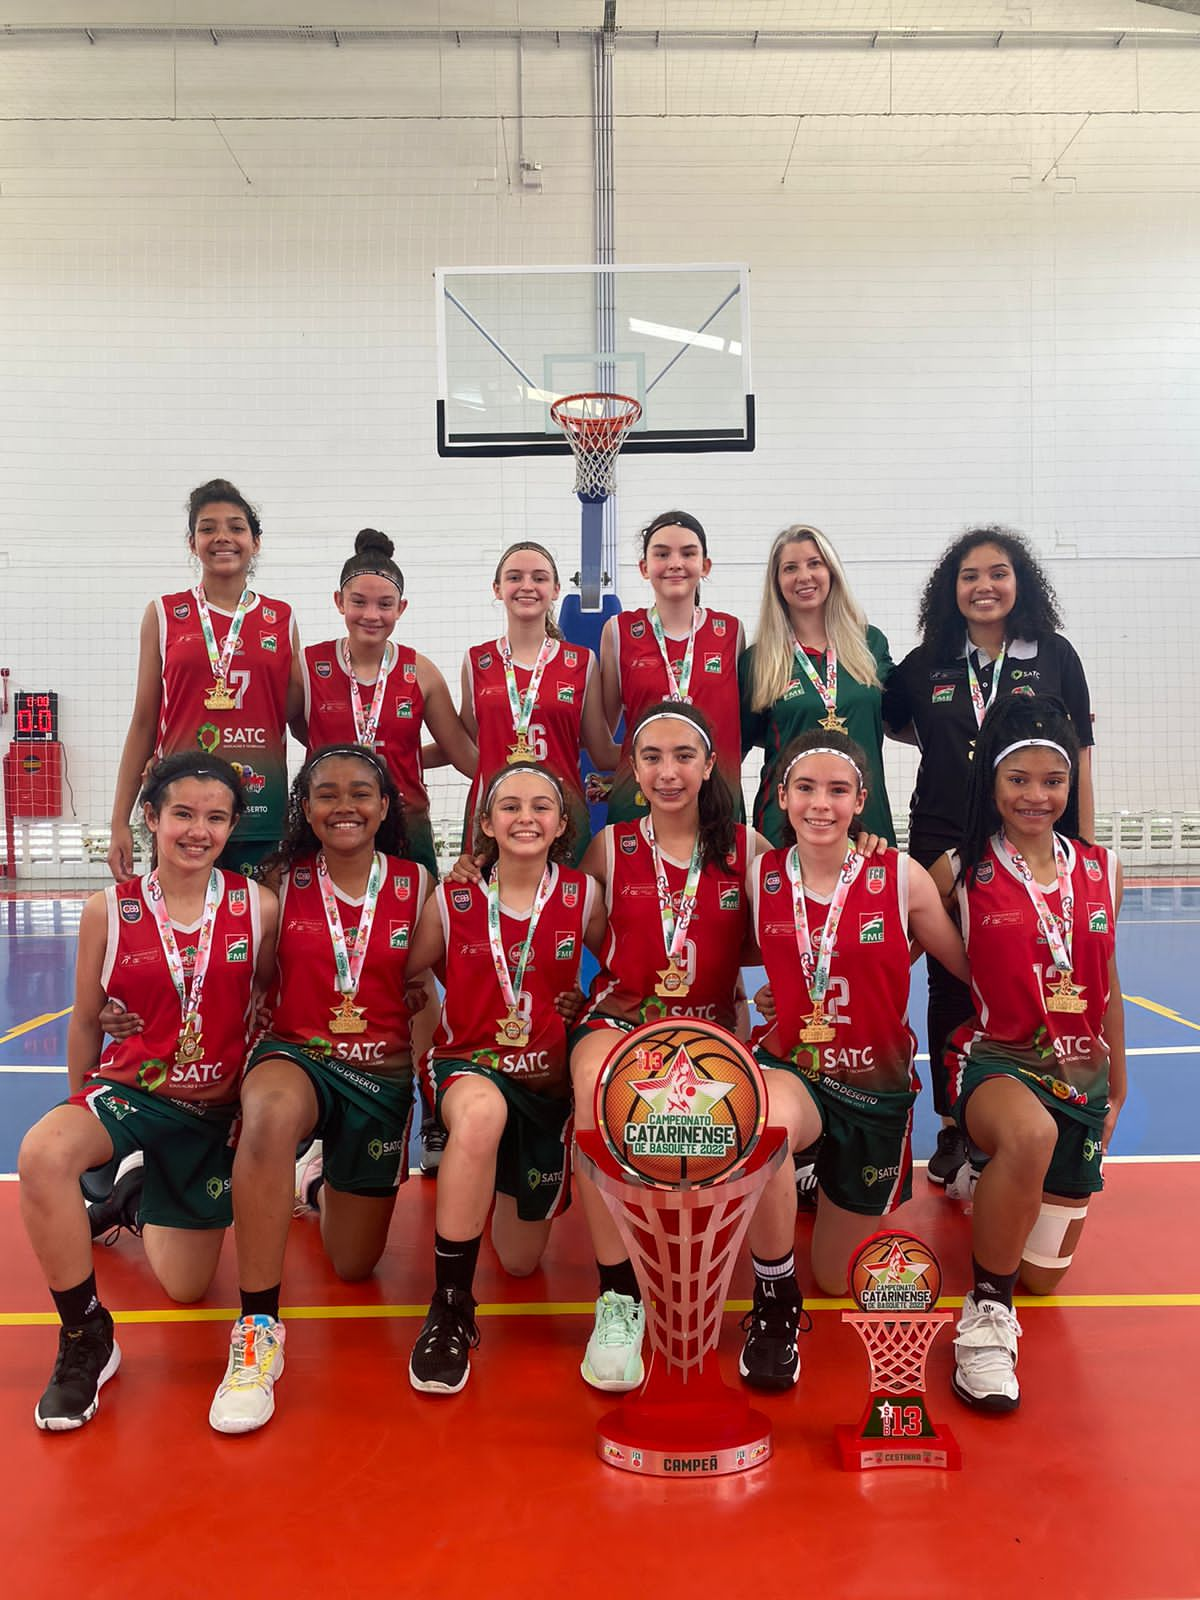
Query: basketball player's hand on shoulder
x=870 y=844
x=117 y=1022
x=764 y=1000
x=596 y=788
x=569 y=1004
x=120 y=853
x=465 y=870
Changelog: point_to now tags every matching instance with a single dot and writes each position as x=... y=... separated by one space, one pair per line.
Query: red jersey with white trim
x=713 y=688
x=474 y=1005
x=1012 y=965
x=253 y=736
x=135 y=973
x=305 y=994
x=635 y=952
x=867 y=998
x=330 y=716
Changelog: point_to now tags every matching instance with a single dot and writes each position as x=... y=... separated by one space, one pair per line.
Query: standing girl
x=336 y=1065
x=833 y=928
x=506 y=948
x=815 y=663
x=1038 y=1082
x=676 y=885
x=988 y=619
x=674 y=650
x=217 y=672
x=363 y=689
x=180 y=949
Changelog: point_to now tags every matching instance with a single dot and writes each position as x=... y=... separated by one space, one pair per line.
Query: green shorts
x=245 y=855
x=532 y=1163
x=363 y=1120
x=596 y=1023
x=1076 y=1167
x=419 y=832
x=864 y=1163
x=187 y=1149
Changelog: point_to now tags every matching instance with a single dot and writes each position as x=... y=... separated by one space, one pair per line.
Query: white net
x=595 y=426
x=897 y=1347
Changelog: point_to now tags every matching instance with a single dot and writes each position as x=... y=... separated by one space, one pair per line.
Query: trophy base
x=698 y=1440
x=936 y=1449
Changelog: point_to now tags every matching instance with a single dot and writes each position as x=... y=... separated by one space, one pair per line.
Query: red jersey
x=634 y=948
x=305 y=992
x=474 y=1004
x=136 y=974
x=254 y=734
x=1011 y=966
x=713 y=689
x=554 y=731
x=330 y=716
x=867 y=998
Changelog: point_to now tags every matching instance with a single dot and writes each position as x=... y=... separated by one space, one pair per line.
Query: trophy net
x=897 y=1347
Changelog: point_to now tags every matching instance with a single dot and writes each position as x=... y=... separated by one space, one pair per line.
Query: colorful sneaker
x=246 y=1399
x=87 y=1358
x=985 y=1356
x=309 y=1167
x=950 y=1154
x=121 y=1207
x=441 y=1358
x=770 y=1357
x=613 y=1358
x=433 y=1145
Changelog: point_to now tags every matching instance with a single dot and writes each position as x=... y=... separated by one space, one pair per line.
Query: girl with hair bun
x=365 y=689
x=217 y=673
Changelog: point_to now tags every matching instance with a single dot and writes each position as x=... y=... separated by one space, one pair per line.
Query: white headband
x=674 y=716
x=822 y=750
x=1024 y=744
x=514 y=772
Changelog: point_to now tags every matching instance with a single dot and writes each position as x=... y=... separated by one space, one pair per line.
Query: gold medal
x=1065 y=995
x=672 y=981
x=817 y=1028
x=219 y=698
x=190 y=1048
x=513 y=1031
x=521 y=751
x=832 y=723
x=349 y=1018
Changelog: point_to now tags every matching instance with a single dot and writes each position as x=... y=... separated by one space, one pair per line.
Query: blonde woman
x=815 y=664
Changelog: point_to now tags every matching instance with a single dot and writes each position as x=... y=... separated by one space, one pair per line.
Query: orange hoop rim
x=595 y=432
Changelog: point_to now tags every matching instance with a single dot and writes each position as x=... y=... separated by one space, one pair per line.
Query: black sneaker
x=121 y=1207
x=441 y=1361
x=950 y=1154
x=770 y=1357
x=433 y=1143
x=87 y=1358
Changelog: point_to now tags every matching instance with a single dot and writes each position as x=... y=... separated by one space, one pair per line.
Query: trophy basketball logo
x=895 y=1272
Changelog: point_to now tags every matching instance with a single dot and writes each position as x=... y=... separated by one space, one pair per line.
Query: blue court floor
x=1158 y=953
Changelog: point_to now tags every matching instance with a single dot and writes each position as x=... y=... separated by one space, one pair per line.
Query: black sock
x=75 y=1306
x=454 y=1262
x=776 y=1280
x=996 y=1286
x=313 y=1190
x=260 y=1303
x=620 y=1278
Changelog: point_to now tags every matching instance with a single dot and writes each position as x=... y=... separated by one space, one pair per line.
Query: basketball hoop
x=595 y=426
x=897 y=1347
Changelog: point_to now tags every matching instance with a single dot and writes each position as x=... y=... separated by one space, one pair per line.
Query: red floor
x=359 y=1487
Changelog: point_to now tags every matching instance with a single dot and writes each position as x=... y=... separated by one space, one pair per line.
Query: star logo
x=899 y=1269
x=678 y=1089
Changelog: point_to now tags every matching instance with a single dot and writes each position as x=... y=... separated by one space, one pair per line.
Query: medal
x=522 y=705
x=977 y=700
x=674 y=982
x=219 y=697
x=190 y=1046
x=1063 y=994
x=816 y=1027
x=677 y=687
x=348 y=965
x=832 y=723
x=366 y=723
x=514 y=1028
x=827 y=689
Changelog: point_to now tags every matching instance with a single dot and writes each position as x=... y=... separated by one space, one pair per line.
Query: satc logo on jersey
x=404 y=707
x=131 y=910
x=984 y=872
x=302 y=877
x=460 y=899
x=485 y=661
x=729 y=896
x=773 y=882
x=269 y=642
x=1093 y=869
x=183 y=612
x=1097 y=919
x=629 y=844
x=876 y=878
x=401 y=886
x=566 y=694
x=570 y=895
x=870 y=928
x=237 y=947
x=269 y=614
x=942 y=694
x=712 y=663
x=323 y=669
x=637 y=630
x=718 y=625
x=398 y=937
x=236 y=900
x=564 y=947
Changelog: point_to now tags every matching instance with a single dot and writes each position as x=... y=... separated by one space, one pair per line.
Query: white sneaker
x=309 y=1168
x=245 y=1399
x=613 y=1358
x=985 y=1356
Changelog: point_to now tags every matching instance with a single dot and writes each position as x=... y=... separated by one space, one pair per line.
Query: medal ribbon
x=977 y=700
x=189 y=1004
x=220 y=661
x=1060 y=939
x=828 y=689
x=367 y=727
x=349 y=963
x=816 y=975
x=522 y=706
x=510 y=986
x=677 y=688
x=675 y=928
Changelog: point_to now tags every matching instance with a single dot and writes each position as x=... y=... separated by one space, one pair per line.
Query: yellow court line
x=574 y=1308
x=34 y=1022
x=1147 y=1005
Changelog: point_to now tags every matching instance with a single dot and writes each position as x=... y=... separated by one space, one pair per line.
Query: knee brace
x=1044 y=1246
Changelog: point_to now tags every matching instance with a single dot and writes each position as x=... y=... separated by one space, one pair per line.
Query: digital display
x=36 y=715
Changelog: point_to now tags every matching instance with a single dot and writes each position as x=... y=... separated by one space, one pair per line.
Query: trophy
x=895 y=1281
x=681 y=1155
